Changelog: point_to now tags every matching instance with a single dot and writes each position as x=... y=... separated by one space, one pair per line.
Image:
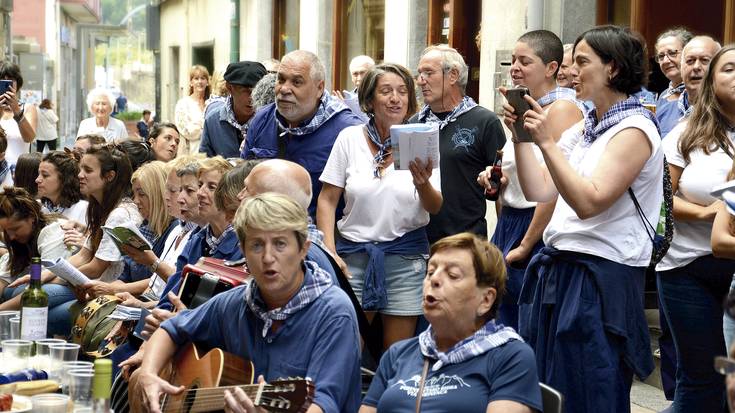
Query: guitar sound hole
x=189 y=399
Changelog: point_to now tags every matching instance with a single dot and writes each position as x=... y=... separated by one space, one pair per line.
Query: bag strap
x=420 y=394
x=646 y=222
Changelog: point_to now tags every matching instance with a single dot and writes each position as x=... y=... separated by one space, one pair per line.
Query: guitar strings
x=263 y=402
x=251 y=393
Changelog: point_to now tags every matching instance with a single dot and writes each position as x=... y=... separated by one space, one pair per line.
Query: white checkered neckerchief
x=243 y=128
x=614 y=115
x=488 y=337
x=427 y=116
x=212 y=241
x=672 y=90
x=328 y=107
x=316 y=282
x=685 y=108
x=47 y=205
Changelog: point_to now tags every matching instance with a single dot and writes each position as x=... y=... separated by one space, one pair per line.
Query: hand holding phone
x=516 y=99
x=5 y=86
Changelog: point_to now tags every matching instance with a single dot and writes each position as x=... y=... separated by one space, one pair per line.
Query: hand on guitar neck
x=214 y=382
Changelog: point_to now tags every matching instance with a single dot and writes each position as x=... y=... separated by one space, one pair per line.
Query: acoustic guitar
x=206 y=379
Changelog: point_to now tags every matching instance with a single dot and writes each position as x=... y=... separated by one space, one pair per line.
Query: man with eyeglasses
x=469 y=139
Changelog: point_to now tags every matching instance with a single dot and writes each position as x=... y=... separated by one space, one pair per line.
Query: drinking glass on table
x=42 y=359
x=50 y=403
x=68 y=366
x=80 y=387
x=59 y=354
x=5 y=317
x=16 y=354
x=15 y=328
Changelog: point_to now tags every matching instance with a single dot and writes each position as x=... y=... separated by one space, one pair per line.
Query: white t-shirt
x=512 y=195
x=76 y=212
x=692 y=239
x=617 y=234
x=376 y=209
x=16 y=145
x=46 y=128
x=170 y=254
x=50 y=247
x=124 y=214
x=114 y=132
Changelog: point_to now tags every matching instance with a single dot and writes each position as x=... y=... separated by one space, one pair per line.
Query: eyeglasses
x=426 y=74
x=671 y=54
x=724 y=365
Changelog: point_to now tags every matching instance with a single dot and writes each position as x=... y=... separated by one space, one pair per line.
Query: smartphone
x=5 y=86
x=515 y=99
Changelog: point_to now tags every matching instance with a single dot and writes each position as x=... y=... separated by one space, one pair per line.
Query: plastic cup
x=16 y=354
x=59 y=354
x=5 y=317
x=66 y=367
x=15 y=328
x=50 y=403
x=80 y=387
x=42 y=359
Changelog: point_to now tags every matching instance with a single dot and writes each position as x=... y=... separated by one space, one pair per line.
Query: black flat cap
x=244 y=73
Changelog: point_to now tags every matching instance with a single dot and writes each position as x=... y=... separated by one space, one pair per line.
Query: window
x=361 y=31
x=286 y=27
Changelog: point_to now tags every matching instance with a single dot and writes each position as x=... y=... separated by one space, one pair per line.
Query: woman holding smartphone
x=536 y=59
x=18 y=120
x=581 y=304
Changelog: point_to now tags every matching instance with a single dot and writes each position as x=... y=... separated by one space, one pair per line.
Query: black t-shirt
x=466 y=147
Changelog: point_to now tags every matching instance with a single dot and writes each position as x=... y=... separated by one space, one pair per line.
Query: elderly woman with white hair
x=100 y=103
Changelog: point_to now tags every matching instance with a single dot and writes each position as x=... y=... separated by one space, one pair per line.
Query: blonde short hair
x=152 y=179
x=271 y=212
x=216 y=163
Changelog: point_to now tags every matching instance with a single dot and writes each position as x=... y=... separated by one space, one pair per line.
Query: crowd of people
x=267 y=165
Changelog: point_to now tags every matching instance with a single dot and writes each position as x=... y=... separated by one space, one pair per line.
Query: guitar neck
x=209 y=399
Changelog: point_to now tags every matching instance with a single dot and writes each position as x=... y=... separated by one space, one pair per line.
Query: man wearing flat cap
x=227 y=126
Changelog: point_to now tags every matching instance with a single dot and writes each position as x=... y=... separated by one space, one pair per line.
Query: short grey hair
x=451 y=59
x=100 y=92
x=361 y=60
x=317 y=70
x=190 y=169
x=681 y=34
x=264 y=92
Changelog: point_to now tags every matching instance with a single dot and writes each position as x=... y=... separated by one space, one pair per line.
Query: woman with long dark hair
x=58 y=186
x=28 y=232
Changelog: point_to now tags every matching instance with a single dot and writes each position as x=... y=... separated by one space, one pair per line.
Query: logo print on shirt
x=463 y=138
x=435 y=386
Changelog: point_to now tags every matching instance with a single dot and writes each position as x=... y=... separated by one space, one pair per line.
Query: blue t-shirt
x=320 y=342
x=507 y=372
x=668 y=115
x=310 y=150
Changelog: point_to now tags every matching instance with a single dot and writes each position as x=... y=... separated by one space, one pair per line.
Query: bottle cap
x=102 y=382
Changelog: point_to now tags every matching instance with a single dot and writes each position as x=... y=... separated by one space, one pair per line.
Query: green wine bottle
x=102 y=386
x=34 y=303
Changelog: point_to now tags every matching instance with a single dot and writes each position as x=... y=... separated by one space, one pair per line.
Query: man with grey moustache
x=303 y=123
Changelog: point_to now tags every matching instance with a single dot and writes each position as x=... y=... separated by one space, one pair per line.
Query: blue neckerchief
x=672 y=90
x=328 y=107
x=383 y=147
x=427 y=116
x=614 y=115
x=243 y=128
x=316 y=282
x=148 y=232
x=683 y=104
x=374 y=295
x=488 y=337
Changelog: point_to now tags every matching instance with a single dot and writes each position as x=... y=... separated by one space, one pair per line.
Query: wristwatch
x=19 y=117
x=155 y=265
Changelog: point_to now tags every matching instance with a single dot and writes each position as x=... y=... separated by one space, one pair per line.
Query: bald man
x=290 y=179
x=695 y=59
